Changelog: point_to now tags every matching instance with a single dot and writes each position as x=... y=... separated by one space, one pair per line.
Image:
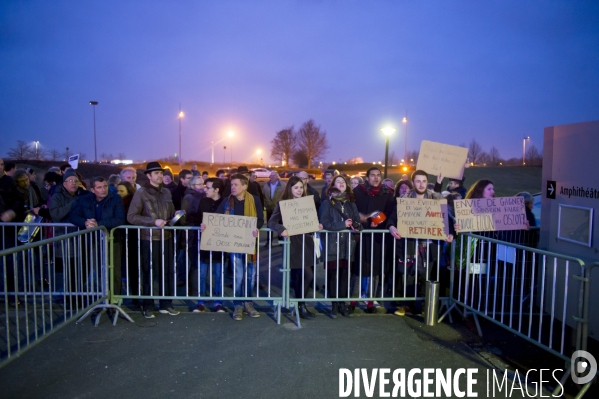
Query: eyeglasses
x=72 y=181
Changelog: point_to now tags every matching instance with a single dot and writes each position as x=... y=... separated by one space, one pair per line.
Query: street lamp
x=212 y=144
x=181 y=115
x=388 y=131
x=405 y=150
x=230 y=134
x=258 y=152
x=524 y=149
x=37 y=143
x=93 y=104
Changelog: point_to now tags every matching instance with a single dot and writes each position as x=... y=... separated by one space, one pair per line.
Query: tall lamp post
x=405 y=148
x=37 y=143
x=212 y=144
x=180 y=117
x=93 y=104
x=388 y=131
x=524 y=149
x=230 y=134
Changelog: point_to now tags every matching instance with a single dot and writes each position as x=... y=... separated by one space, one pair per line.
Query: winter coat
x=271 y=201
x=113 y=211
x=150 y=203
x=301 y=245
x=332 y=216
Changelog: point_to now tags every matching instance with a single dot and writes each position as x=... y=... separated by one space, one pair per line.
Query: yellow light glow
x=181 y=114
x=405 y=169
x=230 y=134
x=404 y=120
x=388 y=131
x=258 y=151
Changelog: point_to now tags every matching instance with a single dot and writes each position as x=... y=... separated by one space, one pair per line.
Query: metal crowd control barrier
x=388 y=270
x=173 y=268
x=540 y=296
x=47 y=284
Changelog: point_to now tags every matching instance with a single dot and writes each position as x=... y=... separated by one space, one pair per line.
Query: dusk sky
x=492 y=70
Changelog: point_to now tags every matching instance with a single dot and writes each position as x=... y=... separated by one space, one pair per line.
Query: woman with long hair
x=403 y=188
x=301 y=246
x=338 y=212
x=481 y=189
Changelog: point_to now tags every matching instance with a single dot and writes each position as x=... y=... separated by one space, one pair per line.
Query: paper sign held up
x=74 y=161
x=435 y=158
x=299 y=215
x=490 y=214
x=229 y=233
x=421 y=218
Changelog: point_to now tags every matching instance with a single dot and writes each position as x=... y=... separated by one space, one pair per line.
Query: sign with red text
x=435 y=158
x=229 y=233
x=421 y=218
x=299 y=215
x=490 y=214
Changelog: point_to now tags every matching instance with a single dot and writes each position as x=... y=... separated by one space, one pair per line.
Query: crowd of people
x=352 y=262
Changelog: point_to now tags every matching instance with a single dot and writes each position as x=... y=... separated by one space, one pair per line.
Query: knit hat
x=69 y=173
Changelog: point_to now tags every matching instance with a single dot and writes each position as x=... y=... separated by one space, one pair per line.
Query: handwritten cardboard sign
x=229 y=233
x=74 y=161
x=299 y=215
x=490 y=214
x=435 y=158
x=421 y=218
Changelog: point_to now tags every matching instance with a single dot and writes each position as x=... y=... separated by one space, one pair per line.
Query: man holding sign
x=420 y=191
x=242 y=203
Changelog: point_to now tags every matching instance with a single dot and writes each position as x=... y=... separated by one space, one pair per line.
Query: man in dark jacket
x=103 y=208
x=372 y=196
x=152 y=206
x=179 y=192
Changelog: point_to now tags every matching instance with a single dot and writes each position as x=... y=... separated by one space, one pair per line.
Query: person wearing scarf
x=26 y=199
x=242 y=203
x=372 y=196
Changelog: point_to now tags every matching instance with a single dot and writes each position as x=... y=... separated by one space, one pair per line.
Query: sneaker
x=200 y=309
x=376 y=304
x=400 y=312
x=170 y=310
x=238 y=313
x=147 y=313
x=249 y=309
x=219 y=309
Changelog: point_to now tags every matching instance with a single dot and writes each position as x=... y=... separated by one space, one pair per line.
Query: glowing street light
x=524 y=149
x=181 y=115
x=231 y=134
x=93 y=104
x=388 y=131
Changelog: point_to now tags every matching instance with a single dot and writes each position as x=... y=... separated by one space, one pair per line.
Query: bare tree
x=121 y=155
x=300 y=158
x=393 y=159
x=42 y=153
x=484 y=159
x=494 y=157
x=533 y=156
x=54 y=155
x=474 y=152
x=312 y=141
x=23 y=150
x=284 y=145
x=412 y=157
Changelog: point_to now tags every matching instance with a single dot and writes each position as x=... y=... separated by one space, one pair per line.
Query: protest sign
x=490 y=214
x=299 y=215
x=74 y=161
x=435 y=158
x=421 y=218
x=229 y=233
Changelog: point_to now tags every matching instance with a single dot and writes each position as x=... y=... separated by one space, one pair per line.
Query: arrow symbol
x=551 y=189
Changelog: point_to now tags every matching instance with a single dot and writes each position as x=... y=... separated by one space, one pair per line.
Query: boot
x=303 y=312
x=344 y=310
x=334 y=310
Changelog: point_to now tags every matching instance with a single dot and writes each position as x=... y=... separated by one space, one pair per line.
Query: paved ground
x=212 y=356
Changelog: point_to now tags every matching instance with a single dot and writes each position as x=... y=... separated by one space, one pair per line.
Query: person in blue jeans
x=242 y=203
x=210 y=262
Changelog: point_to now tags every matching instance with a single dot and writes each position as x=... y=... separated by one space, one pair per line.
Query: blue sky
x=494 y=70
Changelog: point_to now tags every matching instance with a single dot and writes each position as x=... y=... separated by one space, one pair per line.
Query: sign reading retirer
x=421 y=218
x=229 y=233
x=299 y=215
x=490 y=214
x=435 y=158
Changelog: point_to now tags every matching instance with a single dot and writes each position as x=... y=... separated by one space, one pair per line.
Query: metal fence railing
x=538 y=295
x=171 y=267
x=46 y=284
